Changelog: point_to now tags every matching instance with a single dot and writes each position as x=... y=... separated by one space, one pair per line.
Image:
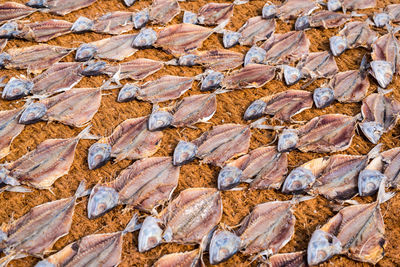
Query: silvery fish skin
x=59 y=7
x=251 y=76
x=230 y=38
x=191 y=258
x=326 y=19
x=293 y=259
x=287 y=47
x=215 y=13
x=36 y=58
x=9 y=129
x=382 y=71
x=82 y=24
x=211 y=81
x=255 y=55
x=358 y=34
x=11 y=11
x=75 y=107
x=282 y=106
x=145 y=38
x=150 y=234
x=189 y=17
x=159 y=119
x=369 y=181
x=318 y=65
x=219 y=59
x=129 y=3
x=36 y=232
x=256 y=29
x=291 y=75
x=387 y=48
x=291 y=9
x=269 y=11
x=43 y=31
x=144 y=185
x=381 y=19
x=184 y=152
x=223 y=246
x=322 y=246
x=115 y=23
x=163 y=11
x=16 y=88
x=337 y=44
x=114 y=48
x=141 y=18
x=97 y=249
x=262 y=168
x=41 y=167
x=323 y=97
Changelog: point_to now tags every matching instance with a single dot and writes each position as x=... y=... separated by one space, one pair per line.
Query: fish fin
x=18 y=189
x=85 y=134
x=297 y=199
x=240 y=2
x=384 y=91
x=375 y=151
x=384 y=196
x=81 y=190
x=221 y=91
x=351 y=202
x=262 y=254
x=355 y=14
x=221 y=26
x=132 y=225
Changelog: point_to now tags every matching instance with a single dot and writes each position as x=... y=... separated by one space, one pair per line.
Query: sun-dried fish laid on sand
x=380 y=114
x=223 y=245
x=345 y=5
x=215 y=146
x=188 y=219
x=256 y=29
x=115 y=23
x=35 y=233
x=97 y=249
x=324 y=134
x=387 y=48
x=282 y=106
x=335 y=177
x=318 y=65
x=75 y=107
x=11 y=11
x=291 y=9
x=9 y=129
x=35 y=58
x=144 y=185
x=326 y=19
x=163 y=11
x=251 y=76
x=187 y=112
x=129 y=140
x=262 y=168
x=16 y=88
x=191 y=258
x=113 y=48
x=293 y=259
x=286 y=47
x=60 y=7
x=41 y=167
x=357 y=231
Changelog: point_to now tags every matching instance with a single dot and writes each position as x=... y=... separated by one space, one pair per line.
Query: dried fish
x=292 y=9
x=163 y=11
x=41 y=167
x=335 y=5
x=60 y=7
x=223 y=246
x=212 y=80
x=262 y=168
x=326 y=133
x=215 y=13
x=116 y=22
x=129 y=140
x=287 y=47
x=217 y=60
x=323 y=97
x=379 y=112
x=190 y=258
x=35 y=58
x=358 y=34
x=255 y=55
x=337 y=44
x=11 y=11
x=230 y=38
x=393 y=11
x=282 y=106
x=256 y=29
x=322 y=246
x=381 y=19
x=215 y=146
x=391 y=158
x=387 y=48
x=144 y=185
x=189 y=17
x=251 y=76
x=269 y=11
x=75 y=107
x=35 y=233
x=16 y=88
x=9 y=129
x=291 y=75
x=382 y=71
x=98 y=250
x=294 y=259
x=326 y=19
x=114 y=48
x=141 y=18
x=146 y=38
x=318 y=65
x=127 y=93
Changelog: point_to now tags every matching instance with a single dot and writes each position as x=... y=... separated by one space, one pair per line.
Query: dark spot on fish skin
x=75 y=246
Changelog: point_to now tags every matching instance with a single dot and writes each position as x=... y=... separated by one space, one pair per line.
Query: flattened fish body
x=328 y=19
x=393 y=11
x=256 y=29
x=387 y=48
x=63 y=7
x=215 y=13
x=294 y=259
x=358 y=34
x=318 y=65
x=251 y=76
x=9 y=129
x=192 y=215
x=222 y=143
x=292 y=9
x=350 y=86
x=163 y=11
x=11 y=11
x=357 y=4
x=43 y=31
x=115 y=23
x=183 y=259
x=392 y=168
x=115 y=48
x=270 y=226
x=166 y=88
x=219 y=60
x=136 y=69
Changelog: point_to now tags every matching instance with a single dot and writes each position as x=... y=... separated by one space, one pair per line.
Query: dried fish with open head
x=35 y=233
x=97 y=249
x=223 y=245
x=9 y=129
x=387 y=48
x=163 y=11
x=129 y=140
x=256 y=29
x=251 y=76
x=335 y=5
x=11 y=11
x=262 y=168
x=318 y=65
x=144 y=185
x=291 y=9
x=60 y=7
x=326 y=19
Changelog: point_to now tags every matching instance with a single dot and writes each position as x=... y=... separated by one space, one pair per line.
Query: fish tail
x=384 y=196
x=240 y=2
x=298 y=199
x=81 y=190
x=85 y=134
x=375 y=151
x=132 y=225
x=172 y=62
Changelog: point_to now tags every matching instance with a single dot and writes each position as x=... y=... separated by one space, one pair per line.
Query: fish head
x=4 y=59
x=372 y=130
x=159 y=120
x=224 y=245
x=323 y=97
x=322 y=246
x=16 y=88
x=189 y=17
x=128 y=92
x=298 y=180
x=302 y=23
x=212 y=81
x=141 y=18
x=85 y=52
x=229 y=177
x=5 y=178
x=338 y=45
x=37 y=3
x=101 y=200
x=9 y=29
x=188 y=60
x=231 y=38
x=255 y=110
x=382 y=71
x=99 y=154
x=129 y=3
x=381 y=19
x=269 y=11
x=369 y=182
x=184 y=152
x=33 y=113
x=288 y=140
x=150 y=234
x=93 y=68
x=255 y=55
x=291 y=74
x=82 y=24
x=334 y=5
x=146 y=38
x=45 y=263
